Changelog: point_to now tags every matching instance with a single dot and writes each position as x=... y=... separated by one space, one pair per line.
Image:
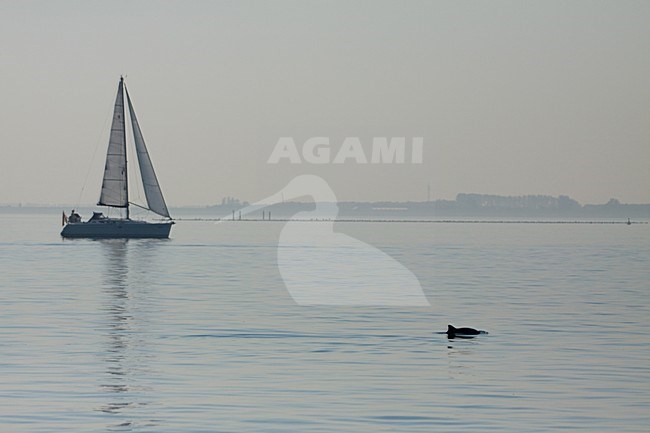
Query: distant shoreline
x=473 y=206
x=446 y=221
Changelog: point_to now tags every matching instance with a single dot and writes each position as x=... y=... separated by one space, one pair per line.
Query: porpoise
x=453 y=332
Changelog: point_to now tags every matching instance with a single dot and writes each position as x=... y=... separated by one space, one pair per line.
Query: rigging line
x=134 y=168
x=92 y=160
x=140 y=206
x=149 y=210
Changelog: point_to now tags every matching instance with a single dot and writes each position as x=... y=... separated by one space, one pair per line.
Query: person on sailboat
x=74 y=217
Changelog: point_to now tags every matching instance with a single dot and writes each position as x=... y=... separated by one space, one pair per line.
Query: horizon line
x=246 y=203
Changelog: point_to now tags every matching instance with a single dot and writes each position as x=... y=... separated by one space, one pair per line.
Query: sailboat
x=115 y=186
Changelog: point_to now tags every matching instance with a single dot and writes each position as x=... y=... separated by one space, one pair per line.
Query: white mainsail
x=152 y=190
x=114 y=186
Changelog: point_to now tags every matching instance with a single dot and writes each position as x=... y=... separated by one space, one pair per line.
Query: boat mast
x=126 y=171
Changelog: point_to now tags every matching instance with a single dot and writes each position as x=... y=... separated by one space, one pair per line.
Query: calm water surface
x=199 y=334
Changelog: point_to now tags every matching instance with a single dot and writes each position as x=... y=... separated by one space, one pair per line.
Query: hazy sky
x=510 y=98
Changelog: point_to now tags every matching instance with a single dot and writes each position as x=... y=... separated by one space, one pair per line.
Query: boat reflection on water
x=125 y=354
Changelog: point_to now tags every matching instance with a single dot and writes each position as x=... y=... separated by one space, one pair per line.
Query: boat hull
x=117 y=228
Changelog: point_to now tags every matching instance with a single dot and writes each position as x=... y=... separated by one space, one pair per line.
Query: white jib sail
x=152 y=192
x=114 y=186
